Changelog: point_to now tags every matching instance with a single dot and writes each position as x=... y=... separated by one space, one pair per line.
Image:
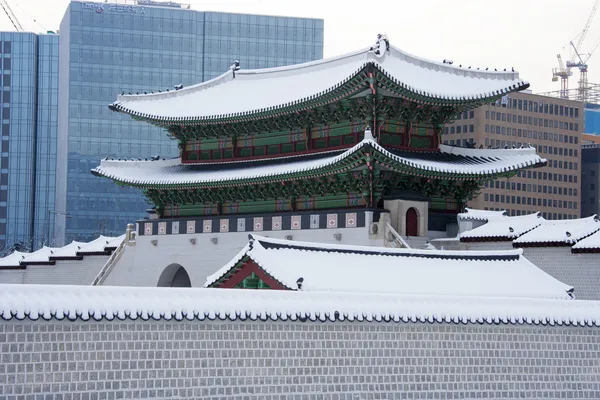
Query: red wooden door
x=412 y=222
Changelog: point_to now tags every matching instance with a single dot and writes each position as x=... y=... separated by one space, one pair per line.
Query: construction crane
x=11 y=15
x=563 y=73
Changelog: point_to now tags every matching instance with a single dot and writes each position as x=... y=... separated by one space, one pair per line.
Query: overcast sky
x=526 y=34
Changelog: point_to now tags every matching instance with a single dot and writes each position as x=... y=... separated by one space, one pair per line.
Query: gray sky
x=526 y=34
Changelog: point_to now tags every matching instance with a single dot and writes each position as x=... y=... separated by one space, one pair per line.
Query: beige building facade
x=550 y=124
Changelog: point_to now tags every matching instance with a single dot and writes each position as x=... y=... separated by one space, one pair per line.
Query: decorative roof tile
x=449 y=160
x=480 y=215
x=564 y=232
x=344 y=268
x=501 y=227
x=245 y=92
x=50 y=302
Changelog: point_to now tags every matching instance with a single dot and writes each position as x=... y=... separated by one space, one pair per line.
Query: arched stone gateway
x=174 y=276
x=412 y=222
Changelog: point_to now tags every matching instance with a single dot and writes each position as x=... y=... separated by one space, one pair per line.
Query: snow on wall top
x=505 y=227
x=243 y=92
x=343 y=268
x=72 y=250
x=47 y=302
x=480 y=215
x=561 y=232
x=164 y=172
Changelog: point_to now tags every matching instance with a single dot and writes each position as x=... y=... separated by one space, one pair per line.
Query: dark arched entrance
x=412 y=222
x=174 y=276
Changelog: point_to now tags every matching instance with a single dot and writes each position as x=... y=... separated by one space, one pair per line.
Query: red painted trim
x=249 y=267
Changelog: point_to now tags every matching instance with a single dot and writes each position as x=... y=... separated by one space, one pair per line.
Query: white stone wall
x=305 y=360
x=72 y=272
x=143 y=263
x=582 y=271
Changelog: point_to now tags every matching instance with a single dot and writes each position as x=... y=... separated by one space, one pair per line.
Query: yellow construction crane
x=11 y=15
x=563 y=73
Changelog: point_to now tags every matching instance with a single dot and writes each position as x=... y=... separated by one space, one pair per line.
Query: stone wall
x=582 y=271
x=312 y=360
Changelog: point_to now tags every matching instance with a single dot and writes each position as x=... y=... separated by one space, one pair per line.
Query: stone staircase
x=417 y=242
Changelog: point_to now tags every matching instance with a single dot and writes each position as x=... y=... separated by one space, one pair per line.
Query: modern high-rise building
x=29 y=102
x=590 y=179
x=553 y=126
x=107 y=49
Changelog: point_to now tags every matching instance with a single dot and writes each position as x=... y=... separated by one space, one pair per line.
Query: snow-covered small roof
x=100 y=244
x=503 y=227
x=245 y=92
x=344 y=268
x=13 y=259
x=40 y=256
x=68 y=251
x=564 y=232
x=448 y=161
x=480 y=215
x=83 y=303
x=588 y=244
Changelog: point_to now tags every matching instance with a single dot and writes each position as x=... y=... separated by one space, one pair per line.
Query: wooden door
x=412 y=222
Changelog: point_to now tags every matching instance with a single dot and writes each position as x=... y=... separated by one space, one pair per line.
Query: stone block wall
x=305 y=360
x=582 y=271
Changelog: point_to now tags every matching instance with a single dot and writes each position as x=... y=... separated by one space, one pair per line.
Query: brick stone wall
x=582 y=271
x=312 y=360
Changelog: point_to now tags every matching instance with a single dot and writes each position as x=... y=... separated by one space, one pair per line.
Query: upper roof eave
x=226 y=97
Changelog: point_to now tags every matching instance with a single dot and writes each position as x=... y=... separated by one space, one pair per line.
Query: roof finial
x=368 y=134
x=382 y=47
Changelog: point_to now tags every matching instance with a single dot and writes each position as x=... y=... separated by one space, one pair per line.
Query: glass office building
x=29 y=74
x=108 y=48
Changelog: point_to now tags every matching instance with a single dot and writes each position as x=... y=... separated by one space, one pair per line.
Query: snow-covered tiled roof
x=503 y=227
x=449 y=160
x=480 y=215
x=68 y=251
x=564 y=232
x=100 y=244
x=588 y=244
x=48 y=302
x=13 y=259
x=344 y=268
x=249 y=91
x=40 y=256
x=47 y=255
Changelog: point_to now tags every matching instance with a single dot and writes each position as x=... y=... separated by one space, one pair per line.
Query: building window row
x=531 y=187
x=466 y=115
x=547 y=215
x=532 y=134
x=530 y=201
x=525 y=120
x=538 y=107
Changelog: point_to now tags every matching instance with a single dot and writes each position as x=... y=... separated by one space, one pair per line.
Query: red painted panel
x=249 y=267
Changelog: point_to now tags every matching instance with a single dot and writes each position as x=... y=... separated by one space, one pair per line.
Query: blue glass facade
x=106 y=49
x=29 y=72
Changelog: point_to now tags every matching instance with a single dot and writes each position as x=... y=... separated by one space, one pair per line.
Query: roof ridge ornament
x=382 y=47
x=369 y=134
x=234 y=67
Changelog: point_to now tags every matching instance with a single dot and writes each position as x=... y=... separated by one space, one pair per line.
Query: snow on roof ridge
x=42 y=254
x=13 y=259
x=70 y=250
x=93 y=303
x=477 y=214
x=256 y=239
x=590 y=242
x=241 y=73
x=504 y=226
x=571 y=231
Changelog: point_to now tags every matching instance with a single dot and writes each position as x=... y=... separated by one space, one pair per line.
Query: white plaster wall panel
x=582 y=271
x=142 y=264
x=71 y=272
